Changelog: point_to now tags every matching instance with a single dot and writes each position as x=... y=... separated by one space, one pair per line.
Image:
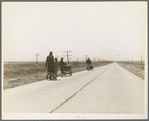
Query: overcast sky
x=105 y=30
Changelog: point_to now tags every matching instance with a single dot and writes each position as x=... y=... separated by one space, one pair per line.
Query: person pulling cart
x=65 y=68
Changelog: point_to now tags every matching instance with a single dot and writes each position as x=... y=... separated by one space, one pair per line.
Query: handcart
x=67 y=70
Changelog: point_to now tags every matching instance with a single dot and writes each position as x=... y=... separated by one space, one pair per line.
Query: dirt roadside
x=136 y=68
x=17 y=74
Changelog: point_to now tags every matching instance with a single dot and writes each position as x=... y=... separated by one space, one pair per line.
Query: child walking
x=56 y=64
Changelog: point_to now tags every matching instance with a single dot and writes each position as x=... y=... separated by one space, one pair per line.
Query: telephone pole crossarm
x=67 y=55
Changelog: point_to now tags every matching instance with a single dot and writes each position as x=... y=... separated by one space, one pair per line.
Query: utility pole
x=128 y=59
x=37 y=57
x=141 y=59
x=67 y=56
x=86 y=56
x=94 y=59
x=77 y=59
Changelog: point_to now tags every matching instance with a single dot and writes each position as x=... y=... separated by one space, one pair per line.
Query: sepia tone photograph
x=74 y=60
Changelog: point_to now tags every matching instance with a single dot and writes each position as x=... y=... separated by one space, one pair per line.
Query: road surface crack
x=76 y=92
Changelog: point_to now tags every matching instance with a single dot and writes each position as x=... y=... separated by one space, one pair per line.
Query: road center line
x=76 y=92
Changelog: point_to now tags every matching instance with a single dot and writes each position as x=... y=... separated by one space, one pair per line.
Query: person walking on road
x=56 y=64
x=50 y=66
x=62 y=64
x=88 y=62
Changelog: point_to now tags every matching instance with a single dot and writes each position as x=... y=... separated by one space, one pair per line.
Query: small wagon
x=67 y=70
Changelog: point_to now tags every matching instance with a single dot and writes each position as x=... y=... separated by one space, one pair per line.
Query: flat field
x=20 y=73
x=136 y=68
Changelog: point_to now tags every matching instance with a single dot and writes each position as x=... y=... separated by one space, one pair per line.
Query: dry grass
x=20 y=73
x=136 y=68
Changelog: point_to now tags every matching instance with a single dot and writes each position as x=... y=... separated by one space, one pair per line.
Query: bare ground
x=135 y=67
x=21 y=73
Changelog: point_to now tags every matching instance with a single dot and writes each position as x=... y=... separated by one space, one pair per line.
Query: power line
x=67 y=56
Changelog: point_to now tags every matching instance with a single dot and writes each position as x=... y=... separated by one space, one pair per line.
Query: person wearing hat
x=50 y=66
x=62 y=64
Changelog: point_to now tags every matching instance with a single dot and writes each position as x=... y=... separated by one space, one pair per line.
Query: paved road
x=107 y=89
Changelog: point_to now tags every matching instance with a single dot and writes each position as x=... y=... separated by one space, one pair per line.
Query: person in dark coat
x=88 y=62
x=50 y=66
x=62 y=64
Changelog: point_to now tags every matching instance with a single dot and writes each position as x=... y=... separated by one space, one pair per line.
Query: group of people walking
x=52 y=66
